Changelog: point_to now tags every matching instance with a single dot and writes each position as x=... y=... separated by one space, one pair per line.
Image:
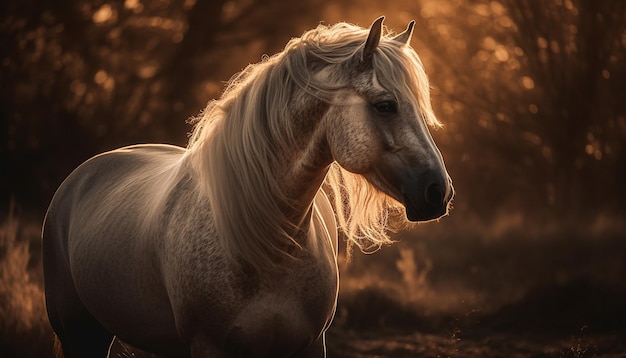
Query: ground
x=514 y=294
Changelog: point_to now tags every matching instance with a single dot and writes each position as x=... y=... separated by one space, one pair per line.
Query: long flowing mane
x=234 y=145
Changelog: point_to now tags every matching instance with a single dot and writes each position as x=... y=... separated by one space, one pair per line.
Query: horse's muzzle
x=428 y=197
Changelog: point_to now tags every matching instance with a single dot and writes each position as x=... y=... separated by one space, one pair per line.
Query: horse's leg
x=80 y=334
x=317 y=349
x=203 y=348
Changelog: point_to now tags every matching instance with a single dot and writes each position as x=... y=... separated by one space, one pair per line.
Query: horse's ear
x=405 y=37
x=373 y=39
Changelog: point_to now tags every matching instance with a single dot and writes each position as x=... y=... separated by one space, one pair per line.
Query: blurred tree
x=80 y=77
x=575 y=52
x=533 y=92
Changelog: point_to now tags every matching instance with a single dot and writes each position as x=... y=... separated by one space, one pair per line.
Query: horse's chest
x=288 y=317
x=279 y=315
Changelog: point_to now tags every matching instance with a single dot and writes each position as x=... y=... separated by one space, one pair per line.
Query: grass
x=554 y=294
x=24 y=330
x=458 y=294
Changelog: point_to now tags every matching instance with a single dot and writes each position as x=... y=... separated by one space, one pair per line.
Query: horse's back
x=106 y=170
x=100 y=185
x=97 y=254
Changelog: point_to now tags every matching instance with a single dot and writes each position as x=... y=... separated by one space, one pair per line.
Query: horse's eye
x=386 y=107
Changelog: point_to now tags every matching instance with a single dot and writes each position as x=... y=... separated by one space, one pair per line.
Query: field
x=549 y=296
x=510 y=292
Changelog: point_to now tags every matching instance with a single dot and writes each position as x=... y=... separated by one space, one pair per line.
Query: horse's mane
x=233 y=148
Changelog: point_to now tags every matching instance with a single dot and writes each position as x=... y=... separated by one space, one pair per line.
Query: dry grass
x=24 y=329
x=552 y=294
x=452 y=295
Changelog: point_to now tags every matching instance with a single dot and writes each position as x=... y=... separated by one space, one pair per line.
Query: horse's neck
x=305 y=170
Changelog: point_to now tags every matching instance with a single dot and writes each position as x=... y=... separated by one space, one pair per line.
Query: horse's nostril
x=434 y=194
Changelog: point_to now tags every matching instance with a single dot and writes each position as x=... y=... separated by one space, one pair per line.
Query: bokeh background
x=531 y=260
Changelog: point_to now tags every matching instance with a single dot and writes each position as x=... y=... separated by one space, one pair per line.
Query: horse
x=228 y=247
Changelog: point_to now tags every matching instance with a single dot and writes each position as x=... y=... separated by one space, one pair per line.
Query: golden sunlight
x=104 y=14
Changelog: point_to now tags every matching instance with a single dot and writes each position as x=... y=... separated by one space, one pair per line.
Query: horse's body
x=228 y=247
x=141 y=276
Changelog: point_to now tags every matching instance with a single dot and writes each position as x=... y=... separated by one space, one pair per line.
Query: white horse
x=229 y=247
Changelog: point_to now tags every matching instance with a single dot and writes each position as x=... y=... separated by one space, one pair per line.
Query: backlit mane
x=238 y=140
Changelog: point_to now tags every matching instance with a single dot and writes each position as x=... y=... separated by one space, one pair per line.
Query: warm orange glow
x=531 y=95
x=135 y=5
x=528 y=82
x=103 y=14
x=103 y=79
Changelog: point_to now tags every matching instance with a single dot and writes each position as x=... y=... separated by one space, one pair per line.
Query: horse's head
x=377 y=123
